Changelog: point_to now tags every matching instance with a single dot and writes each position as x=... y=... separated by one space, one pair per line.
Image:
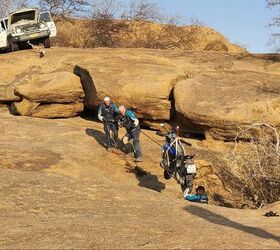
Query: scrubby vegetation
x=256 y=163
x=125 y=24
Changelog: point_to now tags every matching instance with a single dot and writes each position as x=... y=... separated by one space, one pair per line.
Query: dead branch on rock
x=255 y=125
x=255 y=160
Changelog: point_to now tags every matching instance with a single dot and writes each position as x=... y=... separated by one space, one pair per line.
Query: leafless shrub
x=64 y=8
x=115 y=24
x=255 y=160
x=172 y=36
x=106 y=27
x=275 y=38
x=138 y=23
x=142 y=11
x=7 y=6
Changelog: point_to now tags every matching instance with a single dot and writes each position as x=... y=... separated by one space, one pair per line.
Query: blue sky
x=242 y=21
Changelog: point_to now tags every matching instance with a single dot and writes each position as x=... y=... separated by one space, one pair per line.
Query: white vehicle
x=26 y=25
x=45 y=17
x=4 y=33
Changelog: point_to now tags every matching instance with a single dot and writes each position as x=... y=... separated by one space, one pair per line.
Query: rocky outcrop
x=219 y=103
x=59 y=87
x=52 y=95
x=143 y=85
x=12 y=79
x=7 y=93
x=212 y=89
x=60 y=187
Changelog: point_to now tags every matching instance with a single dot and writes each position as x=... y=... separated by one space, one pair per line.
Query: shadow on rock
x=97 y=135
x=89 y=115
x=146 y=179
x=219 y=199
x=223 y=221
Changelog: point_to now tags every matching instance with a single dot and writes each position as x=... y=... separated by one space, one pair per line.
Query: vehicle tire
x=188 y=184
x=166 y=175
x=47 y=43
x=13 y=46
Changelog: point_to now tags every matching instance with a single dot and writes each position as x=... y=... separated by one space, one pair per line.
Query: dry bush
x=9 y=5
x=107 y=26
x=64 y=8
x=113 y=25
x=255 y=161
x=136 y=24
x=106 y=32
x=275 y=38
x=216 y=45
x=72 y=33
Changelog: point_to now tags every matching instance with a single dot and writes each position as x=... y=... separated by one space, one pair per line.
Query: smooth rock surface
x=220 y=103
x=58 y=87
x=60 y=188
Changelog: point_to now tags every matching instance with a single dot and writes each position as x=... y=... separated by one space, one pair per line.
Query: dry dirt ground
x=61 y=189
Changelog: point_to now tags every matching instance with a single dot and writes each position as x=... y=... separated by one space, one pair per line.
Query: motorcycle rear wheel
x=188 y=184
x=167 y=175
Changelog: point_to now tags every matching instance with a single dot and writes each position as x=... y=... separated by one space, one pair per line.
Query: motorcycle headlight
x=42 y=26
x=18 y=30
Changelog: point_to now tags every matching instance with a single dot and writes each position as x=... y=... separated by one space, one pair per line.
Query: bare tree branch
x=7 y=6
x=255 y=159
x=64 y=8
x=275 y=22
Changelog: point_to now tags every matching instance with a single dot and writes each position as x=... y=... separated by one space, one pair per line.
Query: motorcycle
x=175 y=162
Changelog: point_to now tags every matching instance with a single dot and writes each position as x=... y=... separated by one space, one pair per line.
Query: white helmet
x=107 y=99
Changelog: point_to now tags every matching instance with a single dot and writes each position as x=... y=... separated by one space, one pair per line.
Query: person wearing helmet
x=108 y=114
x=130 y=122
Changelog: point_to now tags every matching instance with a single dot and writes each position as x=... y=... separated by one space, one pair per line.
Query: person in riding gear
x=108 y=113
x=200 y=195
x=130 y=122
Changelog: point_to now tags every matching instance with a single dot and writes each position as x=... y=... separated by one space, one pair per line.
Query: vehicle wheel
x=188 y=184
x=47 y=43
x=166 y=175
x=13 y=46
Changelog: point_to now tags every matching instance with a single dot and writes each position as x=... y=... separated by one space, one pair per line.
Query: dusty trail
x=61 y=189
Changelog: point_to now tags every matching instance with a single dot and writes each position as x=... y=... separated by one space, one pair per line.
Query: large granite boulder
x=140 y=81
x=58 y=87
x=53 y=95
x=55 y=110
x=220 y=103
x=7 y=93
x=7 y=88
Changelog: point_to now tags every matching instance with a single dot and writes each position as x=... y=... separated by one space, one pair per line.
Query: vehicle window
x=45 y=17
x=6 y=23
x=3 y=25
x=23 y=16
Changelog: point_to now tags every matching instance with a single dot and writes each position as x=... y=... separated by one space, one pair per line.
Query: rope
x=156 y=142
x=118 y=148
x=123 y=158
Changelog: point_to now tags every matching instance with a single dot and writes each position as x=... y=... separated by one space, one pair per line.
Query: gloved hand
x=125 y=140
x=120 y=124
